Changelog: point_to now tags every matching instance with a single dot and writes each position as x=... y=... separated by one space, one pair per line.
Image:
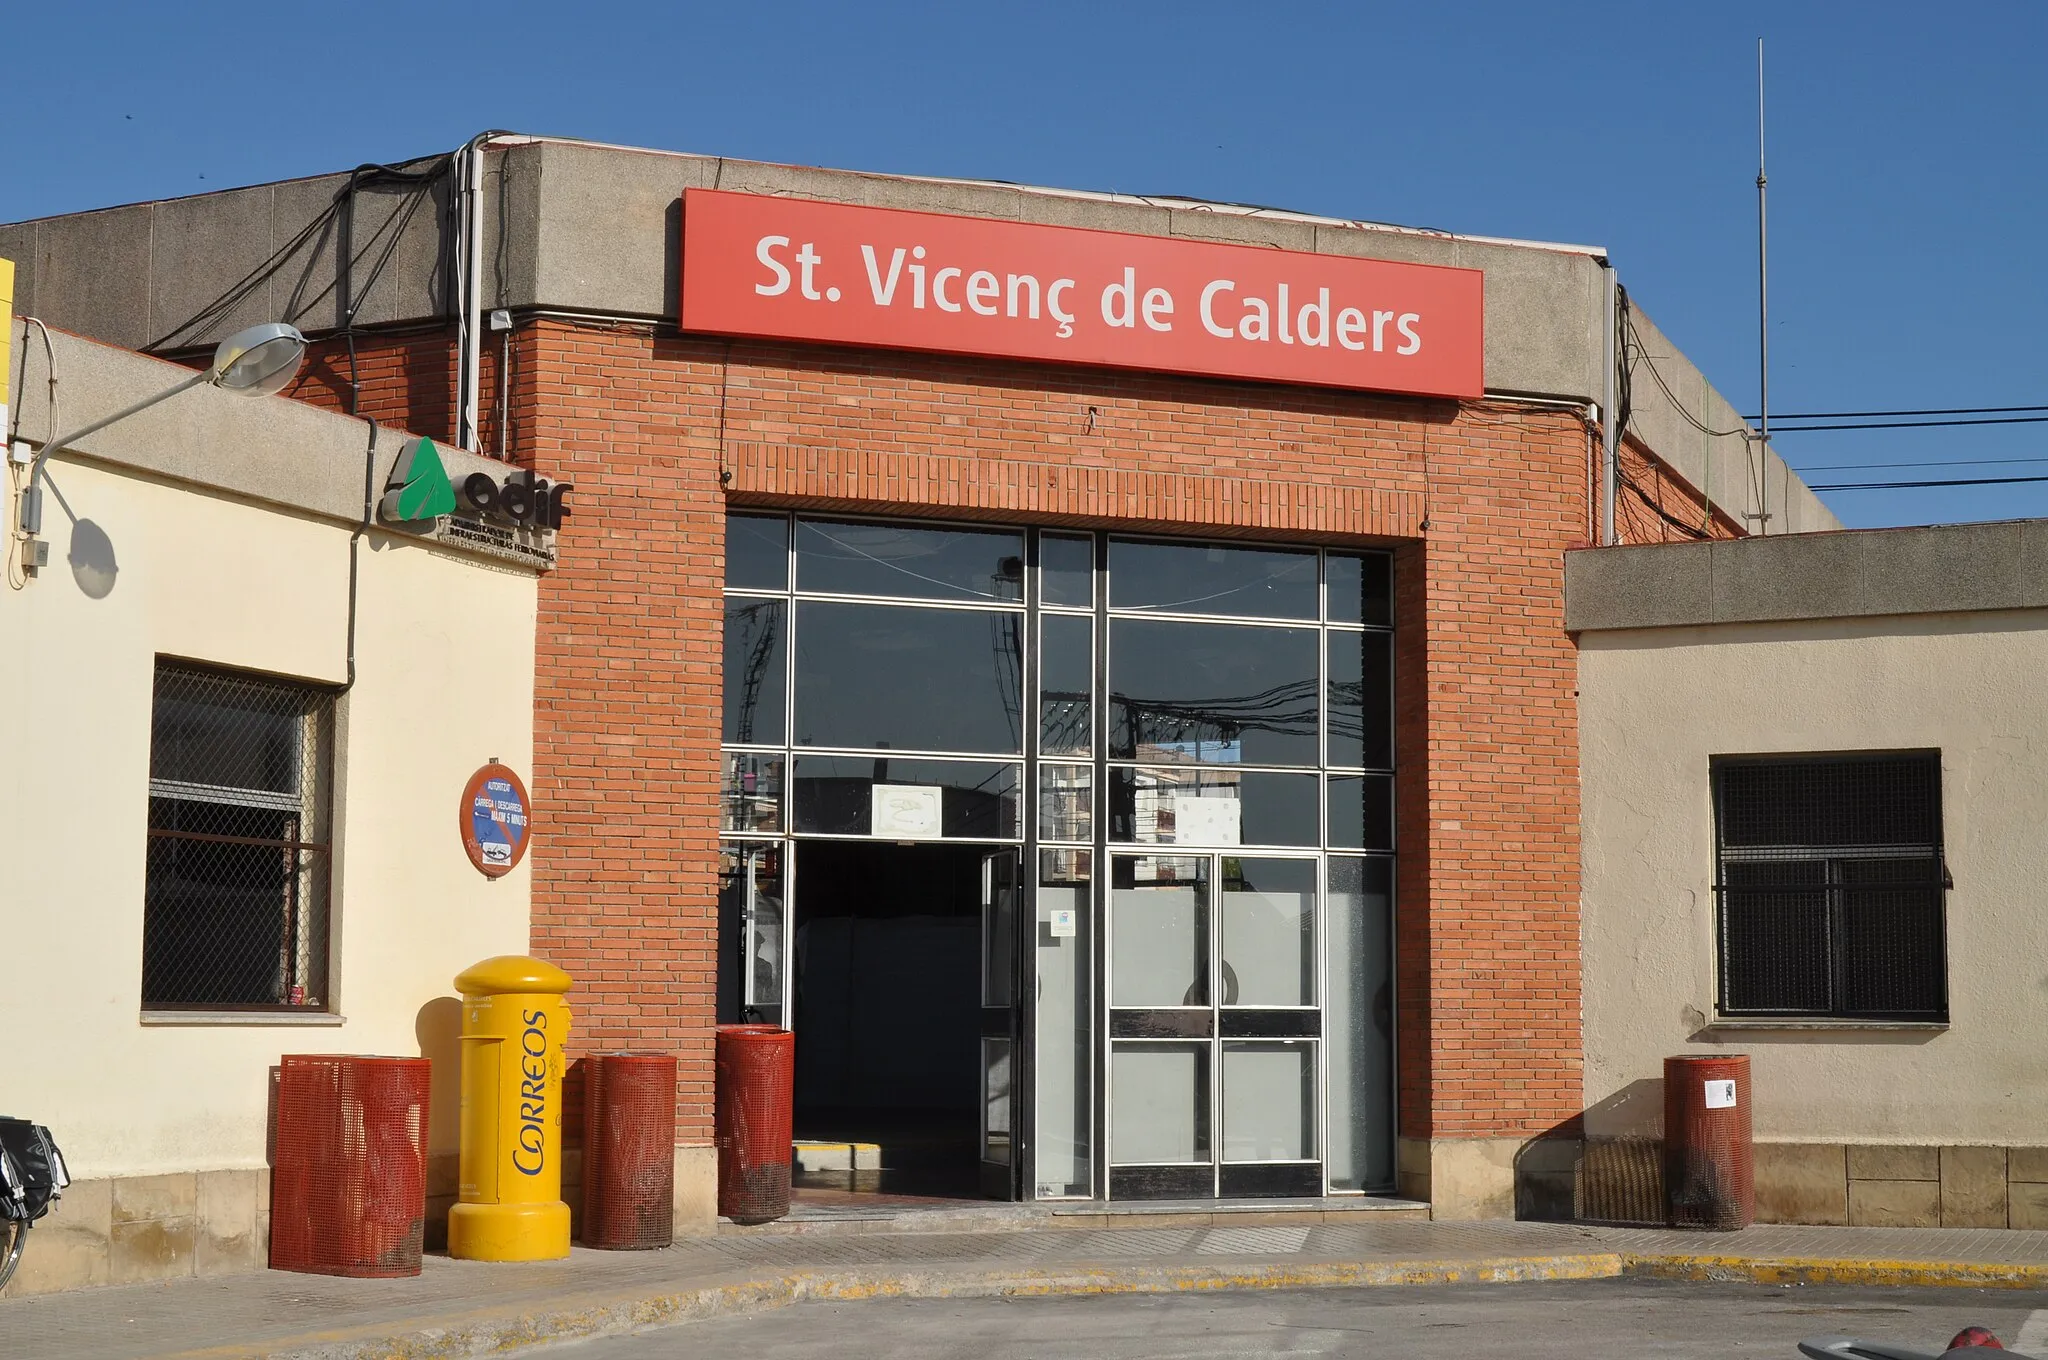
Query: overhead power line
x=1901 y=486
x=1941 y=463
x=1944 y=411
x=1911 y=424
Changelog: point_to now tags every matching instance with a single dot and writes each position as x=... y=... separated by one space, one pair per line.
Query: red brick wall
x=659 y=432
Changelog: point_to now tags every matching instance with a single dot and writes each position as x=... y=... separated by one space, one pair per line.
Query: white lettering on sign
x=1720 y=1095
x=839 y=273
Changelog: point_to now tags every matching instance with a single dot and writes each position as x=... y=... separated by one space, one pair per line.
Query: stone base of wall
x=1902 y=1185
x=1620 y=1179
x=136 y=1229
x=1460 y=1178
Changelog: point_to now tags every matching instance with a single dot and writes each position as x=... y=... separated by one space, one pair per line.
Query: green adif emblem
x=426 y=492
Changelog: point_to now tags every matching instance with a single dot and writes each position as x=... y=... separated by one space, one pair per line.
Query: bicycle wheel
x=13 y=1237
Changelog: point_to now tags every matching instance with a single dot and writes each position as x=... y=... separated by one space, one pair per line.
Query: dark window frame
x=187 y=866
x=1829 y=879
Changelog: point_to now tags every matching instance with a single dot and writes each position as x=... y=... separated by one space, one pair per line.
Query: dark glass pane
x=1893 y=958
x=757 y=552
x=878 y=675
x=1066 y=680
x=222 y=730
x=921 y=564
x=1066 y=570
x=834 y=795
x=751 y=799
x=1361 y=811
x=1774 y=937
x=1194 y=579
x=1214 y=692
x=755 y=632
x=1842 y=801
x=1211 y=807
x=1361 y=699
x=219 y=912
x=1361 y=589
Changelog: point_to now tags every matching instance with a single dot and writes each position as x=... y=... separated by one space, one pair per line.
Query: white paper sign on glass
x=1063 y=922
x=905 y=812
x=1720 y=1095
x=1205 y=821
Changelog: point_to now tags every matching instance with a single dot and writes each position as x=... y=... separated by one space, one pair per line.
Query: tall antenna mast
x=1763 y=301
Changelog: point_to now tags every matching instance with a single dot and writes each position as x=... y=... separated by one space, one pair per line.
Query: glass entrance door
x=1215 y=1026
x=1001 y=1052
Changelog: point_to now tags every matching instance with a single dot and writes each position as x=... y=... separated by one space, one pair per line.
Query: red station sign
x=796 y=269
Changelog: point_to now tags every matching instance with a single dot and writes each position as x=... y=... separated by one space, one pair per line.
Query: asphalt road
x=1611 y=1319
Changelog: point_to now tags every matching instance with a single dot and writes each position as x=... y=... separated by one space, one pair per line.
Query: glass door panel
x=1359 y=1020
x=999 y=1023
x=1063 y=1054
x=1269 y=1102
x=1159 y=931
x=1162 y=1102
x=751 y=927
x=1269 y=932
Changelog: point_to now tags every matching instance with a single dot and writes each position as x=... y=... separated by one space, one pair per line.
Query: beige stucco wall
x=445 y=682
x=1655 y=704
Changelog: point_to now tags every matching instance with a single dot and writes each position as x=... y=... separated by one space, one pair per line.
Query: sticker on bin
x=1721 y=1095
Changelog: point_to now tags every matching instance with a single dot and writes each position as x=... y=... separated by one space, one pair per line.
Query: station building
x=1096 y=667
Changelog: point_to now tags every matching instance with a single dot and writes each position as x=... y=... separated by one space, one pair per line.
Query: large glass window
x=838 y=558
x=235 y=909
x=1219 y=693
x=755 y=670
x=1217 y=719
x=756 y=552
x=894 y=677
x=1831 y=886
x=1183 y=578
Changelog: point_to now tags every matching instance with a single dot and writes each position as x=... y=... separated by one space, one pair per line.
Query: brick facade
x=660 y=432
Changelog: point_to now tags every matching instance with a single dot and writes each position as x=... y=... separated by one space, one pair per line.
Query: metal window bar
x=1830 y=887
x=236 y=901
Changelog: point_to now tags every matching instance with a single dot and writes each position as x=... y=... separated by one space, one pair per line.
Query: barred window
x=1830 y=886
x=236 y=911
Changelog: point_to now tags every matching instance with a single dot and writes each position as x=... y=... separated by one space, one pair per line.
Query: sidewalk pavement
x=461 y=1308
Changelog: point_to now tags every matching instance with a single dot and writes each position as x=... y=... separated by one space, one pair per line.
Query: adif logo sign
x=420 y=490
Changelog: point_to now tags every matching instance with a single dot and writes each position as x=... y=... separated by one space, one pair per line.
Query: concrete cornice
x=1864 y=573
x=269 y=450
x=586 y=228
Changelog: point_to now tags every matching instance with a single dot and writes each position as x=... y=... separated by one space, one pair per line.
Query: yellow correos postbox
x=514 y=1023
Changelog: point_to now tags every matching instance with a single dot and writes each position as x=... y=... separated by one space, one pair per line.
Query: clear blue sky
x=1909 y=169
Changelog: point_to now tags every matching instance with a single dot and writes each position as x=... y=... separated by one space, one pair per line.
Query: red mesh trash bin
x=629 y=1139
x=1709 y=1159
x=348 y=1181
x=756 y=1071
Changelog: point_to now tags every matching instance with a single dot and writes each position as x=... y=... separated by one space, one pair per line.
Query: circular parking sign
x=494 y=820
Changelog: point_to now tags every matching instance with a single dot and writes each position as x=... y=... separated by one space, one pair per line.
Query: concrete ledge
x=1860 y=573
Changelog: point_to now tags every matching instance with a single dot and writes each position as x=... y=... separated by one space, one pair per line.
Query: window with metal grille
x=1830 y=884
x=236 y=911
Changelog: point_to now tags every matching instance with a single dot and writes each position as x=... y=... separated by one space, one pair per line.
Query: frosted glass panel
x=1159 y=1103
x=1269 y=932
x=1358 y=1022
x=1062 y=1056
x=1159 y=932
x=1269 y=1102
x=996 y=1069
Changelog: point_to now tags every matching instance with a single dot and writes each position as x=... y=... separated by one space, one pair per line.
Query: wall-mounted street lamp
x=255 y=362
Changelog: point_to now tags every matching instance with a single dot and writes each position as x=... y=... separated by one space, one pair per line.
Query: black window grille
x=1830 y=886
x=236 y=908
